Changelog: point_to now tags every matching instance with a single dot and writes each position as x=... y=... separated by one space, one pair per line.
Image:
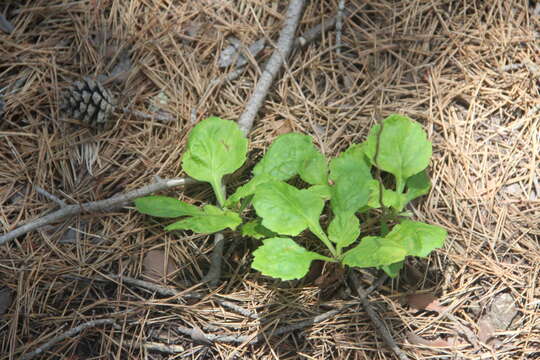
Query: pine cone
x=89 y=102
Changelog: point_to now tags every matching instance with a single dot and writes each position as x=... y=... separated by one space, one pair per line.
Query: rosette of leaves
x=399 y=147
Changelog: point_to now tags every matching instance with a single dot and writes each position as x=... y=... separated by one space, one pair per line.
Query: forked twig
x=94 y=206
x=65 y=335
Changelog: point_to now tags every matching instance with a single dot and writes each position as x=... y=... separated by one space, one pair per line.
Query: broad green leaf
x=404 y=149
x=215 y=147
x=393 y=270
x=344 y=229
x=248 y=188
x=213 y=219
x=284 y=259
x=256 y=230
x=417 y=185
x=352 y=178
x=286 y=156
x=314 y=169
x=417 y=238
x=375 y=251
x=323 y=191
x=164 y=206
x=286 y=209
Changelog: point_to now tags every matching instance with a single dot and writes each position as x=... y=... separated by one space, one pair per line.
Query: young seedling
x=398 y=146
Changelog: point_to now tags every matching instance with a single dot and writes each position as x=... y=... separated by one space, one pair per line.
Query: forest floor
x=466 y=70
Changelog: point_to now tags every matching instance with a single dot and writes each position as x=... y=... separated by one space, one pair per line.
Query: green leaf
x=286 y=209
x=256 y=230
x=213 y=219
x=391 y=198
x=314 y=169
x=215 y=147
x=393 y=270
x=248 y=188
x=417 y=238
x=287 y=154
x=164 y=206
x=417 y=185
x=375 y=251
x=404 y=149
x=344 y=229
x=322 y=191
x=283 y=258
x=352 y=178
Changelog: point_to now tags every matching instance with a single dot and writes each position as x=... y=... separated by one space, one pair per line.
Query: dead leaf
x=425 y=301
x=499 y=317
x=5 y=300
x=157 y=267
x=439 y=342
x=283 y=127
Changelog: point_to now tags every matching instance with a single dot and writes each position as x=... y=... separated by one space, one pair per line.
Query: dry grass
x=441 y=62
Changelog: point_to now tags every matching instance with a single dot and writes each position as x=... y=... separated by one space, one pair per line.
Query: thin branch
x=306 y=38
x=375 y=319
x=167 y=291
x=339 y=26
x=95 y=206
x=213 y=275
x=282 y=51
x=315 y=32
x=65 y=335
x=156 y=346
x=50 y=196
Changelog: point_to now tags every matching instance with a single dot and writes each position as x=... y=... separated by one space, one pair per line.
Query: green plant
x=398 y=147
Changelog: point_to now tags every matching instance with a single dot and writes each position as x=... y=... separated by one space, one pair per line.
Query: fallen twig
x=50 y=196
x=167 y=291
x=280 y=54
x=306 y=38
x=65 y=335
x=339 y=26
x=155 y=346
x=379 y=324
x=94 y=206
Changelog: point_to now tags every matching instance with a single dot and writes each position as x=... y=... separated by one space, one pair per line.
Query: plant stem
x=384 y=223
x=316 y=229
x=219 y=191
